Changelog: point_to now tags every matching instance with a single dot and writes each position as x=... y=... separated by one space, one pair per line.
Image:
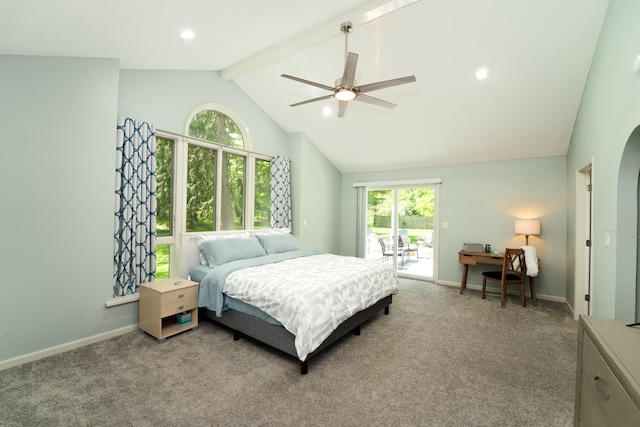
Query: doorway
x=401 y=228
x=583 y=241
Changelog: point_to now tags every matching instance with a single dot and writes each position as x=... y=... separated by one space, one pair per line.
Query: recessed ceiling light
x=187 y=34
x=482 y=73
x=326 y=111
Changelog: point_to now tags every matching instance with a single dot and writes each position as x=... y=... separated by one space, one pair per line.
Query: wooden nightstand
x=162 y=300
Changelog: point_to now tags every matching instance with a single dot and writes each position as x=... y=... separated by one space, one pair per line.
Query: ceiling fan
x=346 y=88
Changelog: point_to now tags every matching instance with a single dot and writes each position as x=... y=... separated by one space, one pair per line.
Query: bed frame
x=272 y=335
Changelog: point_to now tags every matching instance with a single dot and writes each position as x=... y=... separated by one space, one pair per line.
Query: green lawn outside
x=162 y=262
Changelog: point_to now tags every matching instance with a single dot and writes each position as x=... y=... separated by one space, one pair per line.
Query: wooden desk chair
x=514 y=272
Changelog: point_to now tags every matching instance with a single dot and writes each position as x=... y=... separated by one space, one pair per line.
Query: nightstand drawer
x=613 y=401
x=179 y=295
x=178 y=306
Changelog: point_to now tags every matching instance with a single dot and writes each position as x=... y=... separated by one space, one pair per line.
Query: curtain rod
x=408 y=182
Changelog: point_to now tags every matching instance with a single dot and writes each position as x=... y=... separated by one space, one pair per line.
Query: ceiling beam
x=314 y=36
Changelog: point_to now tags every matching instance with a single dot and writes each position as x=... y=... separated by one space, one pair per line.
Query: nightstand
x=161 y=305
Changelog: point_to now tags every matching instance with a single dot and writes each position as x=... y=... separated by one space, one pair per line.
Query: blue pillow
x=222 y=251
x=277 y=243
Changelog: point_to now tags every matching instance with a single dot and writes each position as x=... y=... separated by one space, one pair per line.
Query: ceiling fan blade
x=375 y=101
x=386 y=83
x=309 y=82
x=349 y=70
x=311 y=100
x=342 y=108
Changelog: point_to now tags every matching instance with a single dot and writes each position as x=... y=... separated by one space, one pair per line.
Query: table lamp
x=527 y=227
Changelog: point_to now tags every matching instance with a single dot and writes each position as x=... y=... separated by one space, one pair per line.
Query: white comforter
x=312 y=295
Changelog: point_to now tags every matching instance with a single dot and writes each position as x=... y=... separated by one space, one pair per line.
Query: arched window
x=217 y=124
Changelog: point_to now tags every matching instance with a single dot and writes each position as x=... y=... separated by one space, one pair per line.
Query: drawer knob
x=181 y=307
x=600 y=387
x=181 y=295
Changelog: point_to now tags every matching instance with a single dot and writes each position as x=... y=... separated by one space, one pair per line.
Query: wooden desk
x=474 y=258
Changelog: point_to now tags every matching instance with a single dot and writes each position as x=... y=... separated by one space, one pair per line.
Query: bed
x=263 y=285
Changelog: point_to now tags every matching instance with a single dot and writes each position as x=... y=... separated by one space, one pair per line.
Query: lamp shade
x=528 y=226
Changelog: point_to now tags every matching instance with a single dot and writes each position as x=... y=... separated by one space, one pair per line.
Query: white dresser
x=608 y=374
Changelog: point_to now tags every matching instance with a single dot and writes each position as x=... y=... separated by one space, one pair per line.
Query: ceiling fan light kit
x=346 y=88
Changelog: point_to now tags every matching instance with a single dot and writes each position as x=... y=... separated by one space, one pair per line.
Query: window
x=233 y=166
x=262 y=194
x=215 y=126
x=208 y=181
x=201 y=184
x=164 y=198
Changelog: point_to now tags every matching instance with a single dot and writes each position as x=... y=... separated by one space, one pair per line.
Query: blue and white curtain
x=134 y=260
x=280 y=193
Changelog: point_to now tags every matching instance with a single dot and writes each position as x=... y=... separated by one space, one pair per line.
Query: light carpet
x=438 y=359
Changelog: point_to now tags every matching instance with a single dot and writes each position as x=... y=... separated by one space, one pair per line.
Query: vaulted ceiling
x=538 y=53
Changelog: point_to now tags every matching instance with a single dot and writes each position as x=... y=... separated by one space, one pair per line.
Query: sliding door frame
x=363 y=190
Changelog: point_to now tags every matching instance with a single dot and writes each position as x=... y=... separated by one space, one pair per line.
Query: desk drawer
x=468 y=259
x=612 y=399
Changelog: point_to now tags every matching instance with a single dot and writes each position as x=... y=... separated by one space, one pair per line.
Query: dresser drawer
x=179 y=295
x=178 y=306
x=611 y=398
x=590 y=413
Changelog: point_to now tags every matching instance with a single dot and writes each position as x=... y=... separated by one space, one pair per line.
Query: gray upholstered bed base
x=279 y=338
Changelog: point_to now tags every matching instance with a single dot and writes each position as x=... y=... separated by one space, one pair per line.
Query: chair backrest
x=383 y=244
x=514 y=263
x=405 y=241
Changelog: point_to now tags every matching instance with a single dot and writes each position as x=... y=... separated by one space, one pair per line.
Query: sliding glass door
x=401 y=228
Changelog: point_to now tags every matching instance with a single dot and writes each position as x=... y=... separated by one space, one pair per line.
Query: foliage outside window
x=232 y=213
x=212 y=193
x=262 y=195
x=201 y=180
x=416 y=210
x=162 y=261
x=217 y=127
x=164 y=191
x=165 y=152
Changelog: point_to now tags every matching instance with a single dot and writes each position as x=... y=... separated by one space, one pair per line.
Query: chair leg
x=522 y=301
x=484 y=286
x=533 y=292
x=503 y=294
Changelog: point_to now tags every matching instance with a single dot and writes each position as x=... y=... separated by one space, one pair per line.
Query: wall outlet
x=607 y=240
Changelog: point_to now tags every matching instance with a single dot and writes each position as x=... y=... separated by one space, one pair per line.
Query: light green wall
x=609 y=114
x=166 y=98
x=56 y=183
x=316 y=207
x=480 y=203
x=58 y=117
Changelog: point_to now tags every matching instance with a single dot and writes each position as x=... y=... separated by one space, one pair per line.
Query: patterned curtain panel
x=134 y=261
x=280 y=193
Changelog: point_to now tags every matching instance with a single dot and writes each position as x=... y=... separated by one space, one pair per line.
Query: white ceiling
x=538 y=53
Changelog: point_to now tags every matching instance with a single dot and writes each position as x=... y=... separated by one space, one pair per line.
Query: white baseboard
x=509 y=292
x=16 y=361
